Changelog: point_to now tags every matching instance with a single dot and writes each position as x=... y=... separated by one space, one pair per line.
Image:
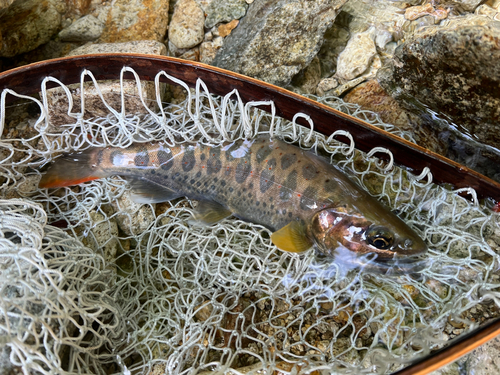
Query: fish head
x=384 y=238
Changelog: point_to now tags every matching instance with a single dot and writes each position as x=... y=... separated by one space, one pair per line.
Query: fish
x=299 y=196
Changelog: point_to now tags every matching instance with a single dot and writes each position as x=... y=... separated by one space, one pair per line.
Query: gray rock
x=186 y=29
x=277 y=39
x=224 y=11
x=454 y=72
x=84 y=29
x=28 y=24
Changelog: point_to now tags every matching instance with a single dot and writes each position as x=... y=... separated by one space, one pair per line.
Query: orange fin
x=71 y=169
x=292 y=238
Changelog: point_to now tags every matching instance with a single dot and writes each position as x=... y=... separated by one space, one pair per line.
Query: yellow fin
x=292 y=238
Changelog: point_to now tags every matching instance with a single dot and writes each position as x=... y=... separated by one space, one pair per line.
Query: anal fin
x=209 y=212
x=146 y=191
x=292 y=238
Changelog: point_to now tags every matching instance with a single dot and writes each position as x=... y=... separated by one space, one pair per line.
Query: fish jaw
x=341 y=227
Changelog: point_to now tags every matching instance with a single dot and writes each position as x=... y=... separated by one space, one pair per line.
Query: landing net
x=92 y=283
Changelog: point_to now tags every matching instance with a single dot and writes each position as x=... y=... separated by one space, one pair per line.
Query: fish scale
x=299 y=196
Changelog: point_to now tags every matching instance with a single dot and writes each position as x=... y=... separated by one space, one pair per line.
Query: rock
x=28 y=24
x=453 y=71
x=226 y=28
x=277 y=39
x=307 y=80
x=77 y=7
x=485 y=360
x=325 y=85
x=224 y=11
x=335 y=41
x=186 y=29
x=136 y=20
x=4 y=4
x=371 y=96
x=208 y=50
x=357 y=56
x=111 y=90
x=132 y=218
x=84 y=29
x=412 y=13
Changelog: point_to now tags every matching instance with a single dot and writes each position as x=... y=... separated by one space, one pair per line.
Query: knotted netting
x=93 y=283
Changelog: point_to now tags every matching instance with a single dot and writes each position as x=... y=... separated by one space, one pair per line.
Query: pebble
x=186 y=29
x=208 y=50
x=357 y=56
x=132 y=218
x=84 y=29
x=226 y=28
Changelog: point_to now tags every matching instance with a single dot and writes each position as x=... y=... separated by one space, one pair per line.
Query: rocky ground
x=428 y=67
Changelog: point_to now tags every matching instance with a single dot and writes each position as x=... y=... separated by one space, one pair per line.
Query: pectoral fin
x=145 y=191
x=210 y=212
x=292 y=238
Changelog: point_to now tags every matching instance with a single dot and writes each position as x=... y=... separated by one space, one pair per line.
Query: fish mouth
x=372 y=263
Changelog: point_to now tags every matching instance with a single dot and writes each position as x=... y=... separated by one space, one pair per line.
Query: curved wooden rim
x=27 y=80
x=454 y=350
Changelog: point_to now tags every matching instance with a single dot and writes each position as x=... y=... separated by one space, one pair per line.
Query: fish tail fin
x=72 y=169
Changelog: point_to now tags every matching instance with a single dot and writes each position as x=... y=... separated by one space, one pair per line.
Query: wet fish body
x=296 y=194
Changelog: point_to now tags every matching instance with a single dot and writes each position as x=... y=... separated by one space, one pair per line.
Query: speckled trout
x=299 y=196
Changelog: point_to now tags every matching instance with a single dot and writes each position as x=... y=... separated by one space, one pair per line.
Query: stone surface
x=84 y=29
x=277 y=39
x=28 y=24
x=224 y=11
x=186 y=29
x=111 y=90
x=453 y=71
x=371 y=96
x=485 y=360
x=132 y=218
x=308 y=79
x=136 y=20
x=226 y=28
x=4 y=4
x=357 y=55
x=208 y=50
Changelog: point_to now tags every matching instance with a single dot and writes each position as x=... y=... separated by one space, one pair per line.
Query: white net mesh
x=91 y=282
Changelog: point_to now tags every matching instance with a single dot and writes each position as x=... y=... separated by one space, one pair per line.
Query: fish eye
x=380 y=237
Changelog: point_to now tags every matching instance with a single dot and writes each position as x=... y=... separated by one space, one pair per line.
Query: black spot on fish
x=262 y=153
x=202 y=157
x=308 y=198
x=198 y=184
x=239 y=193
x=242 y=171
x=266 y=180
x=264 y=204
x=216 y=179
x=287 y=160
x=309 y=171
x=206 y=183
x=331 y=185
x=250 y=186
x=257 y=203
x=192 y=181
x=214 y=163
x=289 y=186
x=231 y=189
x=141 y=158
x=289 y=214
x=100 y=155
x=198 y=175
x=271 y=164
x=249 y=195
x=188 y=159
x=165 y=158
x=212 y=187
x=223 y=183
x=153 y=171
